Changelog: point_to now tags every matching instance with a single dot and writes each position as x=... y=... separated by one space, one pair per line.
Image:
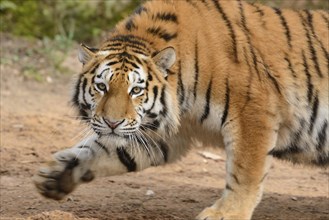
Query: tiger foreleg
x=246 y=168
x=95 y=157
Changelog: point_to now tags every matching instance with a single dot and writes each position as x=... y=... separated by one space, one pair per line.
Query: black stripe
x=158 y=31
x=251 y=75
x=196 y=69
x=130 y=25
x=88 y=147
x=313 y=51
x=132 y=63
x=155 y=95
x=309 y=79
x=293 y=73
x=71 y=163
x=235 y=178
x=133 y=40
x=243 y=20
x=164 y=149
x=97 y=125
x=284 y=24
x=94 y=68
x=322 y=160
x=314 y=113
x=311 y=47
x=326 y=19
x=75 y=98
x=247 y=33
x=83 y=112
x=124 y=55
x=272 y=78
x=151 y=115
x=103 y=147
x=121 y=46
x=156 y=125
x=180 y=86
x=152 y=126
x=230 y=28
x=293 y=148
x=207 y=106
x=92 y=82
x=166 y=16
x=139 y=52
x=140 y=10
x=228 y=187
x=126 y=159
x=137 y=59
x=227 y=103
x=139 y=114
x=322 y=137
x=163 y=102
x=84 y=86
x=260 y=12
x=112 y=63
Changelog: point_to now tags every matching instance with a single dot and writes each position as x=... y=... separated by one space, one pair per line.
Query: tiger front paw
x=62 y=175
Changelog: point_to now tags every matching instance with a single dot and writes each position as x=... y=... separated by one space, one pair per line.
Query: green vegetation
x=78 y=20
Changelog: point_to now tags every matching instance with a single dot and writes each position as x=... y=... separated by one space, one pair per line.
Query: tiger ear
x=86 y=53
x=165 y=59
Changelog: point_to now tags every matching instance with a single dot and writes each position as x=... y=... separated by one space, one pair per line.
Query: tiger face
x=122 y=93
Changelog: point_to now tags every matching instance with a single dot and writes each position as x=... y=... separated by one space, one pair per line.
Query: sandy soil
x=36 y=121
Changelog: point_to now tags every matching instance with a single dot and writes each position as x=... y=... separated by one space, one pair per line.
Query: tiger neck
x=156 y=22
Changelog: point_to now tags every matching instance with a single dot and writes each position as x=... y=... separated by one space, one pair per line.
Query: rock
x=49 y=79
x=209 y=155
x=149 y=192
x=19 y=126
x=54 y=215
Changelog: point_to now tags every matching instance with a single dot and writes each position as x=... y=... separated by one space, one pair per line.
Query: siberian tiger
x=248 y=76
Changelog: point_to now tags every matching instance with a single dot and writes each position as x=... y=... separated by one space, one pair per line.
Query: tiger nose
x=113 y=124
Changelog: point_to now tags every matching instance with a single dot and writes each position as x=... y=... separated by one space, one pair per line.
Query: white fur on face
x=137 y=78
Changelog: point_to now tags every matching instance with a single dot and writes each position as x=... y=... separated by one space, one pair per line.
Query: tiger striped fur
x=247 y=76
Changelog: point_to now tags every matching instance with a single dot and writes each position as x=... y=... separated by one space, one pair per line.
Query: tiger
x=250 y=78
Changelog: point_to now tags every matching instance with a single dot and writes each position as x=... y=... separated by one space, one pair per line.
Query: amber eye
x=136 y=90
x=101 y=87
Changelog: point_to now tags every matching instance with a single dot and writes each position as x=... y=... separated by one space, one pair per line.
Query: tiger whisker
x=141 y=137
x=148 y=129
x=155 y=144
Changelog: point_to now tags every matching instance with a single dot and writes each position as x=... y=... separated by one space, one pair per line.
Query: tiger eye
x=136 y=90
x=101 y=86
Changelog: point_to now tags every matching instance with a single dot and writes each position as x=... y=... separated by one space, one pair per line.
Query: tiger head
x=123 y=90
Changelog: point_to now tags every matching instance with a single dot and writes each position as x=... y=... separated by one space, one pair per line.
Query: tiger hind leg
x=247 y=166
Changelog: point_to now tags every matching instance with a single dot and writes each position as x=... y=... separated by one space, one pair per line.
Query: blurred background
x=51 y=28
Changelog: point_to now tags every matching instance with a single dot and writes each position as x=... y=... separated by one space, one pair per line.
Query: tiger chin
x=246 y=76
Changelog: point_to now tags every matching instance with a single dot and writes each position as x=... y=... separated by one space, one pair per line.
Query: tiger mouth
x=113 y=134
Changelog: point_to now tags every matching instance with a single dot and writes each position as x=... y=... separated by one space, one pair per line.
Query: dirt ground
x=37 y=120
